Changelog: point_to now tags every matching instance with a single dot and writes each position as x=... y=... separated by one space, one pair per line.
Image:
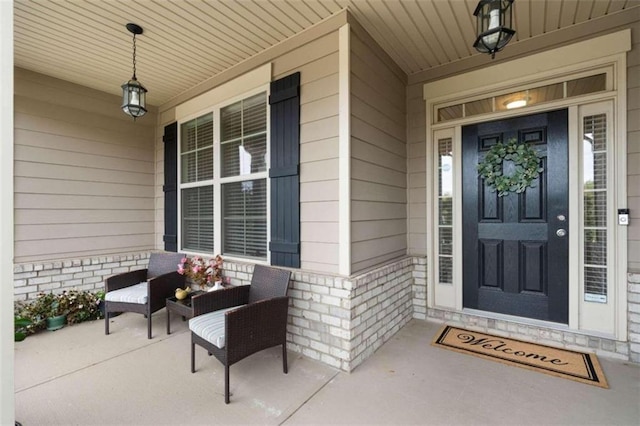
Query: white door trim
x=609 y=52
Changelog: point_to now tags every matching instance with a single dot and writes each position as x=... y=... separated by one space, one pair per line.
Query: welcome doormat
x=578 y=366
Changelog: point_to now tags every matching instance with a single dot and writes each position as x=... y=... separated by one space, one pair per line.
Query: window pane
x=481 y=106
x=445 y=199
x=546 y=93
x=244 y=137
x=197 y=219
x=231 y=121
x=256 y=148
x=450 y=112
x=594 y=190
x=446 y=211
x=445 y=167
x=446 y=241
x=231 y=153
x=255 y=114
x=244 y=221
x=595 y=284
x=445 y=266
x=188 y=167
x=196 y=149
x=595 y=209
x=595 y=247
x=591 y=84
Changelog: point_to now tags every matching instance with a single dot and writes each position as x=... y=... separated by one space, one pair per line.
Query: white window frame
x=218 y=181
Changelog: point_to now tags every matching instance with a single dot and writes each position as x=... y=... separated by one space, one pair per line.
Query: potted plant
x=204 y=273
x=58 y=310
x=35 y=311
x=20 y=325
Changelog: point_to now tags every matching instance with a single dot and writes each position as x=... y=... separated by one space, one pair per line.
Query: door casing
x=605 y=51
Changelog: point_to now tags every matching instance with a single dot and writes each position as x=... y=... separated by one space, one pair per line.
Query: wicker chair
x=236 y=322
x=143 y=291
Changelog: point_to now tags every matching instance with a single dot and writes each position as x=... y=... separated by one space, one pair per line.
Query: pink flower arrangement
x=200 y=271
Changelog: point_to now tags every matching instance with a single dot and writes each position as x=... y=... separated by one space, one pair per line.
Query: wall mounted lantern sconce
x=133 y=93
x=494 y=25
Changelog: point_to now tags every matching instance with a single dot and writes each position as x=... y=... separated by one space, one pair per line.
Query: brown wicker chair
x=143 y=291
x=248 y=319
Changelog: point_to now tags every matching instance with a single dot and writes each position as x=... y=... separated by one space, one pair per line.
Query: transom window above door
x=534 y=95
x=223 y=180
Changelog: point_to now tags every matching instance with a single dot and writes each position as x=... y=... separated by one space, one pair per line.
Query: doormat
x=578 y=366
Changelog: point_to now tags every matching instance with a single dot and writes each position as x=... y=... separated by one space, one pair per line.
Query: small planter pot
x=56 y=323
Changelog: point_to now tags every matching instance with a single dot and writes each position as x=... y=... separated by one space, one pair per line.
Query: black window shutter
x=170 y=187
x=284 y=171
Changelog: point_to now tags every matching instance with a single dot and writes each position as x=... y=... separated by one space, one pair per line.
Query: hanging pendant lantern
x=494 y=22
x=133 y=93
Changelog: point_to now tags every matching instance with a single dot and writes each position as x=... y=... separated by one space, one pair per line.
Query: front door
x=515 y=247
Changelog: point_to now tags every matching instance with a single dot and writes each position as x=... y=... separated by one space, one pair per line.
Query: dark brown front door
x=515 y=253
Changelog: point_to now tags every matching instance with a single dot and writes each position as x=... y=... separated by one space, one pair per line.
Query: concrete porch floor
x=79 y=376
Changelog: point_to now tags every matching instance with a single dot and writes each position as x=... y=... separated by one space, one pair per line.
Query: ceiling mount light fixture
x=494 y=19
x=134 y=93
x=517 y=103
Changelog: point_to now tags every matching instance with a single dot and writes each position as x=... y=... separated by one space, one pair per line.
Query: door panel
x=514 y=262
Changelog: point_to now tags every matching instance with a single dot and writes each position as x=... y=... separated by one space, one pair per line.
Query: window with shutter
x=223 y=171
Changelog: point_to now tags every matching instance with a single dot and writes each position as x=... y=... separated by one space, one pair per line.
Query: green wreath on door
x=527 y=168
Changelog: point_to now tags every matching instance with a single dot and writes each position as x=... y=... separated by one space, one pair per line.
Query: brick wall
x=81 y=274
x=341 y=321
x=336 y=320
x=420 y=288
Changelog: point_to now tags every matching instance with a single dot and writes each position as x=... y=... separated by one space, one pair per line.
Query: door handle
x=561 y=232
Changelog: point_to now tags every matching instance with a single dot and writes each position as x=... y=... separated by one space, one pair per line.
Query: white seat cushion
x=211 y=326
x=134 y=294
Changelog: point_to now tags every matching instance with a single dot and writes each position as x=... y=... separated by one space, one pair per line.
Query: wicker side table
x=181 y=307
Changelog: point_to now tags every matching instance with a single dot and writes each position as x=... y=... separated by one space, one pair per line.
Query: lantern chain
x=134 y=56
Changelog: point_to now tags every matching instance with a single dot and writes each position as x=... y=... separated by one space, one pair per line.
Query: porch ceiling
x=187 y=42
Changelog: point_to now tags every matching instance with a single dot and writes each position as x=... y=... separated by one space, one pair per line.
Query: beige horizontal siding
x=81 y=216
x=319 y=130
x=84 y=172
x=317 y=63
x=79 y=230
x=76 y=173
x=324 y=149
x=633 y=149
x=416 y=169
x=78 y=247
x=59 y=157
x=320 y=170
x=320 y=211
x=44 y=186
x=378 y=156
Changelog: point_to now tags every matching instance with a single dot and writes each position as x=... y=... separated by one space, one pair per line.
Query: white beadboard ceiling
x=188 y=41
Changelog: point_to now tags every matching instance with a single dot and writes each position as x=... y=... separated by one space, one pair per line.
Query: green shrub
x=78 y=305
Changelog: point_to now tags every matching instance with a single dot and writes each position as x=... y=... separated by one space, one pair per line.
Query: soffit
x=187 y=42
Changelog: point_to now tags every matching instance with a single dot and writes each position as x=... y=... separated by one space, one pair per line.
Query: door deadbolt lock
x=561 y=232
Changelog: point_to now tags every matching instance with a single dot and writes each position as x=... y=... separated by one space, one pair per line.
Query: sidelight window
x=445 y=211
x=594 y=197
